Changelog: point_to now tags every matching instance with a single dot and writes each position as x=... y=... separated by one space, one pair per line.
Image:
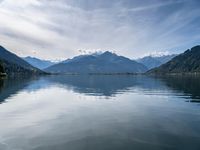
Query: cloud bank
x=58 y=29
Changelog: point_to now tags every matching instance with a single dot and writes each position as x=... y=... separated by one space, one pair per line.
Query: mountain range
x=106 y=62
x=155 y=61
x=187 y=62
x=12 y=64
x=102 y=63
x=38 y=63
x=148 y=61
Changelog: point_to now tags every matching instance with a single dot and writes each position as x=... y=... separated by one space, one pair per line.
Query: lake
x=99 y=112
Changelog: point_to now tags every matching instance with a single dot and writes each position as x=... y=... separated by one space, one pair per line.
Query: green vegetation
x=12 y=64
x=188 y=62
x=11 y=69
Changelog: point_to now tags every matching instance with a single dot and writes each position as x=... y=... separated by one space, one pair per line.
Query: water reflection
x=108 y=86
x=74 y=113
x=9 y=87
x=185 y=86
x=189 y=85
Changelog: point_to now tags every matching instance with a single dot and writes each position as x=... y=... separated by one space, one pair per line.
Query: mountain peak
x=106 y=62
x=108 y=54
x=195 y=48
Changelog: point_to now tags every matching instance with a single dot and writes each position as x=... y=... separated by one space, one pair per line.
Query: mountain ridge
x=106 y=62
x=187 y=62
x=155 y=61
x=38 y=63
x=13 y=64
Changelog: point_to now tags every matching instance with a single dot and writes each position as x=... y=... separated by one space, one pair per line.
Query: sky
x=61 y=29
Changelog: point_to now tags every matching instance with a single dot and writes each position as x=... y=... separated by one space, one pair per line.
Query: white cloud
x=53 y=29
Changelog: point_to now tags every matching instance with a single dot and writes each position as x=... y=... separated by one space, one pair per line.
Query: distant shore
x=175 y=74
x=146 y=73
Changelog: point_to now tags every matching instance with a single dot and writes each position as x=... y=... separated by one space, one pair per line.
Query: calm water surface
x=100 y=113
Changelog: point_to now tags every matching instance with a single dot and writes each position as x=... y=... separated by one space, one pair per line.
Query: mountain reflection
x=9 y=87
x=189 y=85
x=107 y=85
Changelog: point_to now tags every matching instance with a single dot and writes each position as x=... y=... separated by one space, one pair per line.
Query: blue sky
x=58 y=29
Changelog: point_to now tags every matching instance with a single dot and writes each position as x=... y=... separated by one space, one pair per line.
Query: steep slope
x=155 y=61
x=187 y=62
x=106 y=62
x=15 y=65
x=38 y=63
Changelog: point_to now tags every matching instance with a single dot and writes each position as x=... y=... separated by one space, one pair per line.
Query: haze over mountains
x=155 y=61
x=38 y=63
x=106 y=62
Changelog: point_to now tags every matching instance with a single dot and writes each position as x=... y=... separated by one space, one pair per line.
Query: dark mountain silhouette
x=106 y=62
x=1 y=68
x=39 y=63
x=155 y=61
x=13 y=64
x=187 y=62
